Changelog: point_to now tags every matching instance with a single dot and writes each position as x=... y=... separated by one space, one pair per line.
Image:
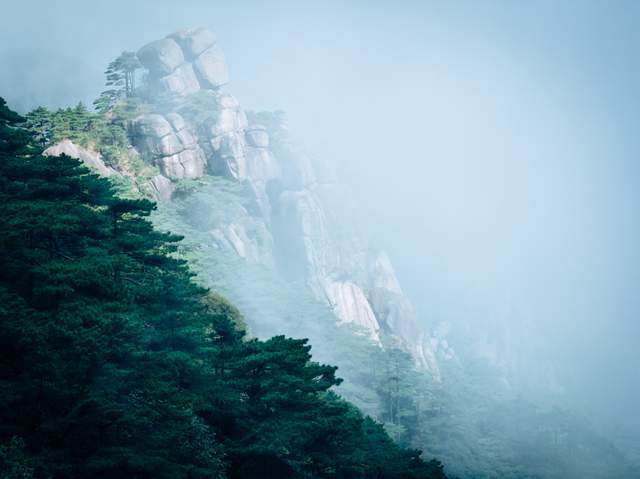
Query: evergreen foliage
x=120 y=80
x=114 y=363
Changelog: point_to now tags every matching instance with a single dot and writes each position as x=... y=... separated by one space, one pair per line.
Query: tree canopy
x=114 y=363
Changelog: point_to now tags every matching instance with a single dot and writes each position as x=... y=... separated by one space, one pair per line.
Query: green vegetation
x=114 y=363
x=121 y=80
x=117 y=361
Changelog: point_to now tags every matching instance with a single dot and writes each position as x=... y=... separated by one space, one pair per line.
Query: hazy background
x=493 y=147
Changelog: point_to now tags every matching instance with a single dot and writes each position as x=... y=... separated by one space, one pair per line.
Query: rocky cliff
x=195 y=128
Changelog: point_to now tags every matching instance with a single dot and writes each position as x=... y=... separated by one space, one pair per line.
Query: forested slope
x=114 y=363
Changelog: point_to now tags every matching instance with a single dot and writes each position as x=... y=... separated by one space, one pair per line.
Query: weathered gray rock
x=194 y=40
x=226 y=144
x=161 y=57
x=166 y=146
x=211 y=68
x=153 y=125
x=182 y=81
x=176 y=121
x=227 y=121
x=261 y=165
x=91 y=159
x=229 y=156
x=187 y=164
x=228 y=101
x=168 y=143
x=257 y=136
x=395 y=312
x=162 y=188
x=304 y=221
x=187 y=139
x=350 y=305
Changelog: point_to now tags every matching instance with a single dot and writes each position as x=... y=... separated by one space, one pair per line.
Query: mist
x=489 y=147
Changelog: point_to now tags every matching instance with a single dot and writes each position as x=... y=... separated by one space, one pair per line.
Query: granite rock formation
x=294 y=205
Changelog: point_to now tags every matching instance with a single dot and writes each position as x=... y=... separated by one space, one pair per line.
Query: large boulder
x=161 y=57
x=186 y=164
x=228 y=157
x=153 y=125
x=211 y=68
x=226 y=146
x=194 y=41
x=92 y=159
x=182 y=81
x=228 y=121
x=168 y=143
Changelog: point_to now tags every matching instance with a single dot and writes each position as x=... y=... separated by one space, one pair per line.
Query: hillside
x=114 y=363
x=276 y=233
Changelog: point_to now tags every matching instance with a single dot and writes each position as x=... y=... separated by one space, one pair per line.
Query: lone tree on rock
x=121 y=78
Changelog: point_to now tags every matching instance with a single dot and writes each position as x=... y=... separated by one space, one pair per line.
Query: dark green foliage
x=114 y=363
x=104 y=133
x=120 y=80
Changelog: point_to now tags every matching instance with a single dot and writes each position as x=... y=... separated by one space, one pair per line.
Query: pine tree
x=115 y=363
x=120 y=80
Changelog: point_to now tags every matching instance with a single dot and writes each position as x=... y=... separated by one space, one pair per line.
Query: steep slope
x=114 y=363
x=276 y=234
x=301 y=234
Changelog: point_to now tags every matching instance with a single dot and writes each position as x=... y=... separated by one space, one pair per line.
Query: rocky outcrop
x=225 y=139
x=296 y=219
x=194 y=41
x=90 y=158
x=168 y=143
x=161 y=188
x=184 y=62
x=211 y=68
x=350 y=305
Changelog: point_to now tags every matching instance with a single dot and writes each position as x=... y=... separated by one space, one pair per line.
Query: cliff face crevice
x=196 y=129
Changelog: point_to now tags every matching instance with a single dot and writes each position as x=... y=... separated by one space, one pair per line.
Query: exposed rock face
x=350 y=305
x=161 y=57
x=194 y=41
x=162 y=188
x=90 y=158
x=182 y=81
x=249 y=239
x=295 y=219
x=226 y=139
x=184 y=62
x=169 y=144
x=211 y=68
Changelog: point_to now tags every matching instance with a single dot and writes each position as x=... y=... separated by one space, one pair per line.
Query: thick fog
x=491 y=147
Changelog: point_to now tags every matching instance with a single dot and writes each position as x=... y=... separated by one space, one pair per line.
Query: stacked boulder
x=167 y=142
x=291 y=215
x=184 y=62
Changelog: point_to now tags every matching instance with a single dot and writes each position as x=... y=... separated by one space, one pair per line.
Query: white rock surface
x=162 y=188
x=211 y=68
x=161 y=57
x=194 y=41
x=182 y=81
x=350 y=305
x=91 y=159
x=168 y=143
